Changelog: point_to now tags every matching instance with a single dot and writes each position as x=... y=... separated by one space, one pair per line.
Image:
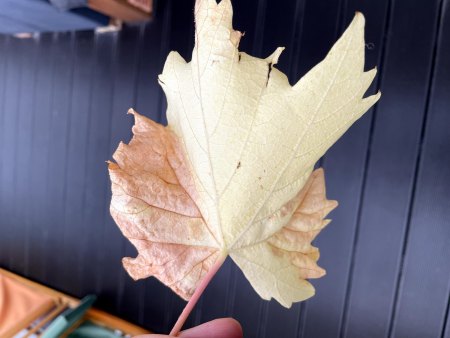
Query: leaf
x=156 y=213
x=232 y=174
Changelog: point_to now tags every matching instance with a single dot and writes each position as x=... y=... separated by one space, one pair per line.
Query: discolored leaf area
x=153 y=208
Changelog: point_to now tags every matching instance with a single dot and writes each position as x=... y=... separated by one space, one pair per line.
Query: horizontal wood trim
x=120 y=9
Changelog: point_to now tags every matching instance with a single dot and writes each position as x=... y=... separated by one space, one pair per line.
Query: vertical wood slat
x=295 y=41
x=97 y=181
x=446 y=325
x=75 y=226
x=12 y=152
x=58 y=131
x=423 y=296
x=3 y=66
x=318 y=34
x=245 y=21
x=4 y=44
x=391 y=168
x=22 y=150
x=258 y=37
x=43 y=85
x=166 y=39
x=7 y=147
x=381 y=52
x=54 y=175
x=25 y=125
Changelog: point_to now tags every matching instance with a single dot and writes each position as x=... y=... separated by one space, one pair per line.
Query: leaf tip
x=112 y=165
x=359 y=18
x=322 y=271
x=273 y=58
x=374 y=98
x=318 y=172
x=334 y=204
x=372 y=72
x=325 y=222
x=356 y=28
x=130 y=265
x=226 y=3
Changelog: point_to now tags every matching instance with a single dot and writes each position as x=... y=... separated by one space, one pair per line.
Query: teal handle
x=65 y=320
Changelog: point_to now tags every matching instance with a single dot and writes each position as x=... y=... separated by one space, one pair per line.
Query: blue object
x=29 y=16
x=68 y=4
x=91 y=330
x=64 y=321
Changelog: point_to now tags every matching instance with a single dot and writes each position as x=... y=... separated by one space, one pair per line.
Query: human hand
x=218 y=328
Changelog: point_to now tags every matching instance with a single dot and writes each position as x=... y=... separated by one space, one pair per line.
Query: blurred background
x=67 y=78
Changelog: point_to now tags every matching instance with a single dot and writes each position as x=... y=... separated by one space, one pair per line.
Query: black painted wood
x=40 y=150
x=11 y=86
x=75 y=245
x=391 y=169
x=424 y=290
x=58 y=133
x=63 y=103
x=24 y=145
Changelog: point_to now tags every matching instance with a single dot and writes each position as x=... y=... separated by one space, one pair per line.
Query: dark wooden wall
x=63 y=99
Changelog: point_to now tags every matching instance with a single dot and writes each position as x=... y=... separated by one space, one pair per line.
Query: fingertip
x=218 y=328
x=235 y=327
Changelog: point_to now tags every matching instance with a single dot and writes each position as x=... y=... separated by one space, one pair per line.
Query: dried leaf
x=156 y=213
x=232 y=173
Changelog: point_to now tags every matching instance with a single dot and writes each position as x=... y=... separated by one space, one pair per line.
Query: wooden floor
x=63 y=103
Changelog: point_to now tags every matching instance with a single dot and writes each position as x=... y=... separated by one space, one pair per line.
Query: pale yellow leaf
x=245 y=143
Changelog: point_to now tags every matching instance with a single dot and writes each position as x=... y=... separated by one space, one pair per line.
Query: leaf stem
x=196 y=296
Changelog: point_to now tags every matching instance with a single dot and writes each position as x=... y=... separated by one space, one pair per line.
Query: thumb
x=218 y=328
